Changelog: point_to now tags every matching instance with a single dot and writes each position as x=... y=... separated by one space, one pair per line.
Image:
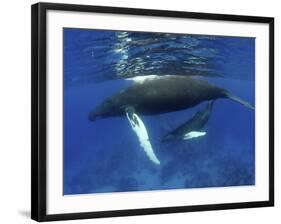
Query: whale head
x=108 y=108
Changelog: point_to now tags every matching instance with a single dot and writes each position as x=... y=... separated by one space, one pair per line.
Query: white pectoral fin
x=141 y=132
x=193 y=134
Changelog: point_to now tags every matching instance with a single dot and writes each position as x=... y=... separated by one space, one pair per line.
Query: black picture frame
x=38 y=90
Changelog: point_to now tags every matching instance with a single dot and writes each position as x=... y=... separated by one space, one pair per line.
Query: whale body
x=191 y=128
x=161 y=94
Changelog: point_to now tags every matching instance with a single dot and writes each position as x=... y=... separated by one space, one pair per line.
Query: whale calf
x=161 y=94
x=191 y=128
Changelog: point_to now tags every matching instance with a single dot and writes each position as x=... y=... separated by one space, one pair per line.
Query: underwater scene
x=157 y=111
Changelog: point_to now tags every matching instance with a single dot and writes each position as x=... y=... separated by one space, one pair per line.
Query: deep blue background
x=105 y=156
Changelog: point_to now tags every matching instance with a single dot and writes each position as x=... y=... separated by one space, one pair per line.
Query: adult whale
x=161 y=94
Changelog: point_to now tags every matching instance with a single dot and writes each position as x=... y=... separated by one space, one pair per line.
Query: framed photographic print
x=138 y=111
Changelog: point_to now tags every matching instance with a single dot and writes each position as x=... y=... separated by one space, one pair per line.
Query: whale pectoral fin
x=141 y=132
x=194 y=134
x=130 y=112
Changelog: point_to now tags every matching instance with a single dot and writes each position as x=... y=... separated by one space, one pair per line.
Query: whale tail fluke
x=238 y=100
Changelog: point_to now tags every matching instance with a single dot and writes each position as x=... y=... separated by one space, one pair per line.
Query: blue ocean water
x=105 y=155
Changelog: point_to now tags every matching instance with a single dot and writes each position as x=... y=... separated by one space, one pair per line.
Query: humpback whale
x=192 y=128
x=152 y=95
x=161 y=94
